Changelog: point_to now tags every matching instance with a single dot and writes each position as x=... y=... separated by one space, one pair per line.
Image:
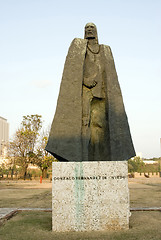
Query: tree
x=23 y=146
x=42 y=158
x=136 y=164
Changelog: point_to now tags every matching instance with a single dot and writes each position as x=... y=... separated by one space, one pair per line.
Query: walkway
x=7 y=213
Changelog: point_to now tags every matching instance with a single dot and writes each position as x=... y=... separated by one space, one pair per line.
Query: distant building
x=150 y=162
x=4 y=135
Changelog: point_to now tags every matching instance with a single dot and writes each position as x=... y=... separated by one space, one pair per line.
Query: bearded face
x=90 y=31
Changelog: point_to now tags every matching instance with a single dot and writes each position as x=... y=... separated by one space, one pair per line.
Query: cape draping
x=121 y=145
x=65 y=135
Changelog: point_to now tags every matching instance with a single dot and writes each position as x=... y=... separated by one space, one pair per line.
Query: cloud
x=41 y=83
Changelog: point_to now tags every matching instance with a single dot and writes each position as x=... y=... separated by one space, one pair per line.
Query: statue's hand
x=89 y=82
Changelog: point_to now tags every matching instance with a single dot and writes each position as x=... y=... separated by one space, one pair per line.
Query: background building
x=4 y=134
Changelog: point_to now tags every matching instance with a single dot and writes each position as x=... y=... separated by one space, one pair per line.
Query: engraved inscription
x=89 y=178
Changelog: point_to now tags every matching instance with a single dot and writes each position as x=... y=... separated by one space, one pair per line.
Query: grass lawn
x=37 y=225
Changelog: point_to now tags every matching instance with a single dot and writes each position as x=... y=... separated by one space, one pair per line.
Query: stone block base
x=90 y=196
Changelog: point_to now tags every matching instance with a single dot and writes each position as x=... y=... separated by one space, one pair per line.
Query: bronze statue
x=90 y=123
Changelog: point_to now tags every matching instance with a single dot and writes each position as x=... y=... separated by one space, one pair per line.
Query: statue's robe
x=65 y=139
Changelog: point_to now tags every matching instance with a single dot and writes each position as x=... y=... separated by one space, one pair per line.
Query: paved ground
x=6 y=213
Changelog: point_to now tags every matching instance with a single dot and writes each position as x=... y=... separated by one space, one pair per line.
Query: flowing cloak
x=65 y=138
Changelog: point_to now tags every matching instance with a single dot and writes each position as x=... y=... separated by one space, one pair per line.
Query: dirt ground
x=26 y=184
x=48 y=184
x=144 y=192
x=25 y=194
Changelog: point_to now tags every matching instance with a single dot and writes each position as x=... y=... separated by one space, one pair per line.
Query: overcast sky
x=34 y=40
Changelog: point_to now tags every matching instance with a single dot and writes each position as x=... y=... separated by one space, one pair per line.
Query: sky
x=34 y=41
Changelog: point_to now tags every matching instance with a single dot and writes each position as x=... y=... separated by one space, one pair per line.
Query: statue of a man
x=90 y=123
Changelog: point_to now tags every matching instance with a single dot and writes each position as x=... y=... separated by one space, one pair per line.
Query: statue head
x=90 y=31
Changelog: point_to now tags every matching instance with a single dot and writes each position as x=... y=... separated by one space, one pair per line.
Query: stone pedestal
x=90 y=196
